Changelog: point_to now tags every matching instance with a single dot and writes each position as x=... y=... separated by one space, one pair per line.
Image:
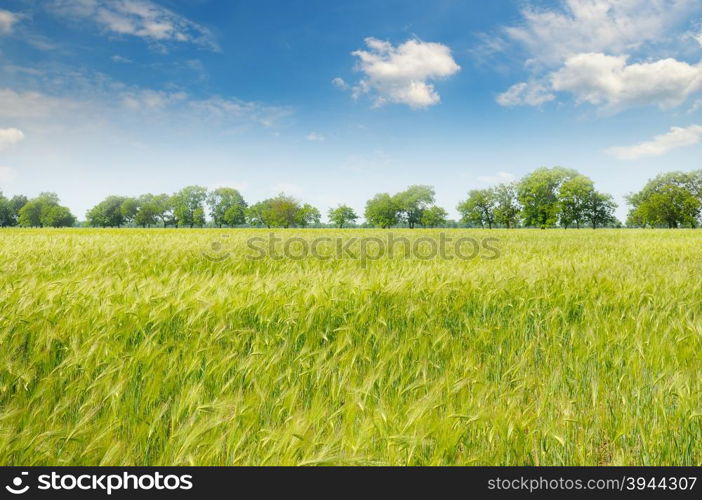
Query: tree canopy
x=227 y=207
x=189 y=206
x=10 y=209
x=434 y=216
x=343 y=214
x=573 y=196
x=382 y=211
x=408 y=207
x=45 y=211
x=479 y=208
x=282 y=211
x=507 y=207
x=672 y=199
x=412 y=202
x=107 y=213
x=543 y=198
x=538 y=194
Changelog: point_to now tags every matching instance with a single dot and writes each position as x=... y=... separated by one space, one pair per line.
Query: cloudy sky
x=335 y=101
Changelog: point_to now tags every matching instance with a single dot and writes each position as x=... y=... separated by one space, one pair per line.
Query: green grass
x=128 y=347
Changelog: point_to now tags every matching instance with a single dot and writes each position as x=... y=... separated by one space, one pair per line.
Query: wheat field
x=139 y=347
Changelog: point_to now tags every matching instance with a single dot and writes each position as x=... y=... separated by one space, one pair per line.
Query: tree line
x=42 y=211
x=544 y=198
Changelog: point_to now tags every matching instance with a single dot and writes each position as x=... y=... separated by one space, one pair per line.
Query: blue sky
x=333 y=102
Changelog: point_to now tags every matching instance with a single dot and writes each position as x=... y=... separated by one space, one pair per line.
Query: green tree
x=15 y=205
x=154 y=209
x=382 y=210
x=129 y=210
x=433 y=217
x=45 y=211
x=167 y=206
x=667 y=200
x=694 y=183
x=30 y=214
x=507 y=207
x=599 y=209
x=574 y=195
x=227 y=207
x=307 y=215
x=107 y=213
x=479 y=208
x=188 y=206
x=7 y=212
x=260 y=214
x=284 y=211
x=538 y=195
x=341 y=215
x=56 y=216
x=147 y=213
x=412 y=202
x=199 y=217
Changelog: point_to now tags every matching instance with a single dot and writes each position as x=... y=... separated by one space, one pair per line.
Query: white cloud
x=584 y=47
x=15 y=104
x=614 y=26
x=402 y=74
x=695 y=34
x=9 y=137
x=677 y=137
x=85 y=96
x=121 y=59
x=140 y=18
x=13 y=68
x=611 y=82
x=151 y=99
x=7 y=21
x=496 y=179
x=315 y=137
x=220 y=108
x=7 y=174
x=339 y=83
x=103 y=101
x=608 y=80
x=525 y=94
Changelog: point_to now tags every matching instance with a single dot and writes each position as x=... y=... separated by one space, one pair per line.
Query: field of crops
x=149 y=347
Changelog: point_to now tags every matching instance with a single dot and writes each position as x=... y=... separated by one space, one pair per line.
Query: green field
x=129 y=347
